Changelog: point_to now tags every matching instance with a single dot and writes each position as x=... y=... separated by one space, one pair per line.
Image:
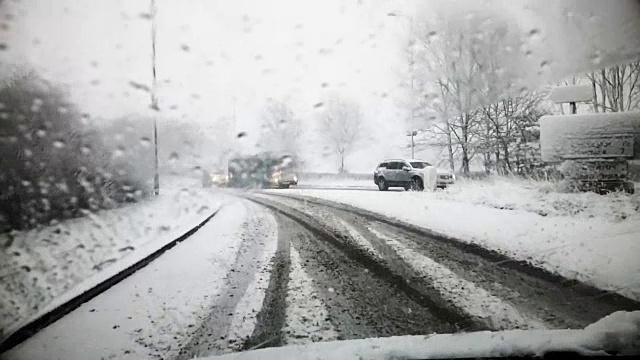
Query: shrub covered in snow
x=53 y=164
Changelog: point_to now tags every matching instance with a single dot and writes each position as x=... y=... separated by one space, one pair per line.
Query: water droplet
x=324 y=85
x=27 y=153
x=241 y=134
x=118 y=152
x=59 y=144
x=595 y=58
x=3 y=46
x=431 y=35
x=41 y=133
x=85 y=150
x=528 y=53
x=185 y=47
x=145 y=141
x=173 y=157
x=318 y=105
x=544 y=65
x=534 y=34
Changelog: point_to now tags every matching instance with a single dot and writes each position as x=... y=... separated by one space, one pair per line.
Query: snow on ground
x=155 y=311
x=620 y=330
x=306 y=318
x=473 y=299
x=43 y=267
x=335 y=181
x=589 y=237
x=244 y=318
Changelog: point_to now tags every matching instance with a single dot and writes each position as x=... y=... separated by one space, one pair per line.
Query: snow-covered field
x=585 y=236
x=43 y=267
x=312 y=180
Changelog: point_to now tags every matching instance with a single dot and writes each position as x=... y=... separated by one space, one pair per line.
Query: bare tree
x=341 y=126
x=459 y=72
x=619 y=88
x=281 y=129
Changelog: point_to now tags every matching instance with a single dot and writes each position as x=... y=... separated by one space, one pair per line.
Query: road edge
x=34 y=326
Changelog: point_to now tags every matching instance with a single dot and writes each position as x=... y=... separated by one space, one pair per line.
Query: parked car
x=410 y=174
x=445 y=178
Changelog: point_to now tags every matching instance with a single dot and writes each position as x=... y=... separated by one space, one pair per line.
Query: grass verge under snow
x=41 y=265
x=584 y=236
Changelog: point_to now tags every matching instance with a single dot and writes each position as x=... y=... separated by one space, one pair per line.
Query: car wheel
x=285 y=186
x=407 y=187
x=382 y=184
x=416 y=184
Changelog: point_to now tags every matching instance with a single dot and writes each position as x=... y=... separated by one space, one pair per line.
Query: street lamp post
x=412 y=133
x=154 y=100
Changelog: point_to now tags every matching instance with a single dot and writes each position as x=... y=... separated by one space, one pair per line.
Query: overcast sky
x=214 y=54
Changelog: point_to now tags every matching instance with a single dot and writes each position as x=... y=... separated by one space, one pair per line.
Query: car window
x=419 y=165
x=383 y=165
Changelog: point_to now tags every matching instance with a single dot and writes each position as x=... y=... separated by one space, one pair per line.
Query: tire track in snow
x=474 y=300
x=244 y=318
x=360 y=240
x=306 y=316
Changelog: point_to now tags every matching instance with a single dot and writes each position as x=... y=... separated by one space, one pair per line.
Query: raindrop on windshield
x=59 y=144
x=241 y=134
x=173 y=157
x=145 y=141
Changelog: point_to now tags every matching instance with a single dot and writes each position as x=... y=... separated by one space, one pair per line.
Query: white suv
x=410 y=174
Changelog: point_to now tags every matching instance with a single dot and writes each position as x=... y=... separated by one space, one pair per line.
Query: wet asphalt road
x=365 y=285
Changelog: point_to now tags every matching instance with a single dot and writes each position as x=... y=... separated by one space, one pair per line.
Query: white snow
x=46 y=266
x=585 y=236
x=157 y=309
x=619 y=331
x=244 y=316
x=572 y=93
x=605 y=134
x=307 y=317
x=472 y=299
x=360 y=240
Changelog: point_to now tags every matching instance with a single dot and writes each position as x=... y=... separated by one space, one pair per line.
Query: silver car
x=408 y=174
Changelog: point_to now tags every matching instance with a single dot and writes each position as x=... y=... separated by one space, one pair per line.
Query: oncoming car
x=283 y=178
x=217 y=178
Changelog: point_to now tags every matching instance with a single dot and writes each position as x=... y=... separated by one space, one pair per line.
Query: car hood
x=619 y=332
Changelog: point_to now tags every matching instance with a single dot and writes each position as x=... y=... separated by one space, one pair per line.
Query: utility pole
x=412 y=132
x=154 y=100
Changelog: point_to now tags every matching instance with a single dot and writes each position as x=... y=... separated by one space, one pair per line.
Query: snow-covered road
x=275 y=271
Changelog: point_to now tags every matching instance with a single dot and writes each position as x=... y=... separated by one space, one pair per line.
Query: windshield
x=185 y=179
x=419 y=164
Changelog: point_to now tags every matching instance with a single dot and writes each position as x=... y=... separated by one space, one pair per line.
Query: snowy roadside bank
x=40 y=267
x=164 y=310
x=588 y=237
